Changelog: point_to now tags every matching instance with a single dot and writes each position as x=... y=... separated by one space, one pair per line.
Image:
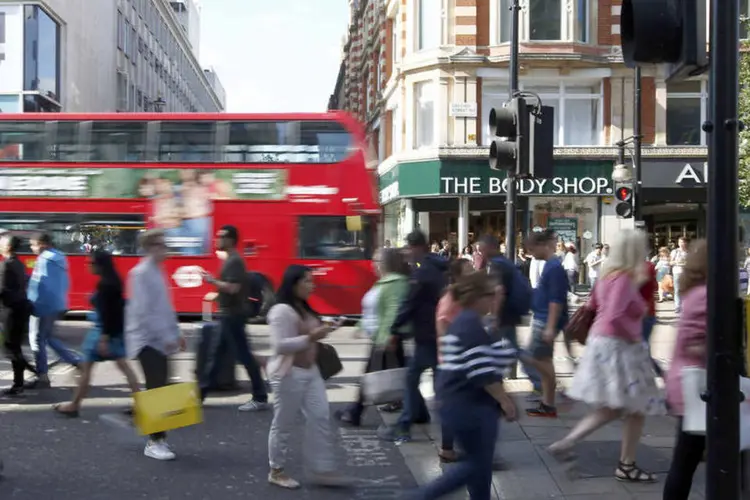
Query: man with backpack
x=517 y=299
x=232 y=295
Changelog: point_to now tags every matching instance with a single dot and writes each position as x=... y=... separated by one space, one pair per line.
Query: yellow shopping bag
x=167 y=408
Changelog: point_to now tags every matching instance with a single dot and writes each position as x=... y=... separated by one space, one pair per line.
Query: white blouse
x=370 y=311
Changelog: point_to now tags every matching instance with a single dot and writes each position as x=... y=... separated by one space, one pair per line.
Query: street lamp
x=159 y=104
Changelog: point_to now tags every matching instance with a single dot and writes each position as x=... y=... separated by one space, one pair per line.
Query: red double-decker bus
x=296 y=186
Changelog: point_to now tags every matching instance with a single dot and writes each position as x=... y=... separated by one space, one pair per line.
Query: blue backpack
x=518 y=297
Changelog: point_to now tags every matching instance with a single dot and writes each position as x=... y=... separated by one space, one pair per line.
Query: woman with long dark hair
x=298 y=387
x=15 y=309
x=105 y=342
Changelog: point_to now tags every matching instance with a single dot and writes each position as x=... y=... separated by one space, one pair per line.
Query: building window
x=686 y=105
x=396 y=35
x=430 y=24
x=41 y=53
x=582 y=21
x=505 y=17
x=424 y=116
x=396 y=130
x=578 y=117
x=545 y=19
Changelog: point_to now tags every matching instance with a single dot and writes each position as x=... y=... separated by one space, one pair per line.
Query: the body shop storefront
x=459 y=200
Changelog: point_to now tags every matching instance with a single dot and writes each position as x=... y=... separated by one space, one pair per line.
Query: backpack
x=254 y=294
x=518 y=297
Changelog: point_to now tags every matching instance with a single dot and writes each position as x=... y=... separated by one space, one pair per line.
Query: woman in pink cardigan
x=689 y=350
x=616 y=376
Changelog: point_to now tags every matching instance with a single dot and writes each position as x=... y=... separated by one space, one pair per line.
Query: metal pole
x=512 y=195
x=637 y=139
x=723 y=390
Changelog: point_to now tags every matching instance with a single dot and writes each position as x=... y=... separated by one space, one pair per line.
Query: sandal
x=630 y=473
x=65 y=413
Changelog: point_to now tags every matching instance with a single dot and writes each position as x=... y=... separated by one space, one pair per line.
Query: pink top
x=619 y=309
x=447 y=310
x=691 y=330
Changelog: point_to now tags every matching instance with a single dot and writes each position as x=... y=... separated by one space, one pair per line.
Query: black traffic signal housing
x=665 y=32
x=509 y=125
x=624 y=196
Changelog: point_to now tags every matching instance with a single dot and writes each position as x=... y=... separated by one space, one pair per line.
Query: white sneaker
x=159 y=450
x=278 y=478
x=253 y=405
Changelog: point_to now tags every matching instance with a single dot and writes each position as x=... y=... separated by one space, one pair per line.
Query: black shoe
x=38 y=383
x=346 y=417
x=14 y=390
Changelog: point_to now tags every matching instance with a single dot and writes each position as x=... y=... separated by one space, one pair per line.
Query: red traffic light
x=624 y=193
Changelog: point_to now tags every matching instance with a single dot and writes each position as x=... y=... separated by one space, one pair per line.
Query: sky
x=274 y=55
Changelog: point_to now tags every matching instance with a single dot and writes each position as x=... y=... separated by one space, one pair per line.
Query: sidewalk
x=533 y=475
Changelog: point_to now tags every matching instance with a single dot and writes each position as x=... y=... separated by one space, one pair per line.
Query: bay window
x=578 y=117
x=543 y=21
x=424 y=115
x=429 y=30
x=686 y=111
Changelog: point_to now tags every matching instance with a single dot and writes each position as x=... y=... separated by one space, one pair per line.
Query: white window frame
x=432 y=86
x=368 y=92
x=568 y=20
x=418 y=24
x=703 y=96
x=397 y=128
x=562 y=96
x=396 y=38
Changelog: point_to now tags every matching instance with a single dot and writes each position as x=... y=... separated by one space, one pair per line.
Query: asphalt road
x=226 y=456
x=47 y=456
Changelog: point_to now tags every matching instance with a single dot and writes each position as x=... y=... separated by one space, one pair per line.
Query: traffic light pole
x=723 y=335
x=637 y=141
x=512 y=192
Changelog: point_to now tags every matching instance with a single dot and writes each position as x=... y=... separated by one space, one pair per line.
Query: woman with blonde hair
x=616 y=376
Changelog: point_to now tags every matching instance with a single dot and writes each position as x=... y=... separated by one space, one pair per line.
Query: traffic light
x=510 y=126
x=624 y=207
x=665 y=31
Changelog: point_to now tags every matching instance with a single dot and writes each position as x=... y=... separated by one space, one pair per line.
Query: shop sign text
x=594 y=186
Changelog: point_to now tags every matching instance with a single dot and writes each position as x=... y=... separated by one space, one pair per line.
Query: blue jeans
x=677 y=298
x=415 y=408
x=232 y=329
x=510 y=333
x=476 y=436
x=41 y=335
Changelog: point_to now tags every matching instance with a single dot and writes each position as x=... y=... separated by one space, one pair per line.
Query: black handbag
x=328 y=361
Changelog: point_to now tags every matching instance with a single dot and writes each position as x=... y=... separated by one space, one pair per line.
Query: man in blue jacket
x=428 y=281
x=48 y=294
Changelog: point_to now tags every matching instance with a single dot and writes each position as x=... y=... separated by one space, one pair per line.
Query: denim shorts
x=540 y=348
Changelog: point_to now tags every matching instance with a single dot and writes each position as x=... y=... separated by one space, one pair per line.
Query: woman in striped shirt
x=472 y=368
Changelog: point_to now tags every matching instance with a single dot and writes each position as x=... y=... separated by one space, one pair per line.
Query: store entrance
x=444 y=225
x=668 y=222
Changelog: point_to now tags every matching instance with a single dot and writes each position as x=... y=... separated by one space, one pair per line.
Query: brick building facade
x=444 y=65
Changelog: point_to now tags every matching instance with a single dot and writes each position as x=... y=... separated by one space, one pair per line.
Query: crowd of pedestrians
x=461 y=314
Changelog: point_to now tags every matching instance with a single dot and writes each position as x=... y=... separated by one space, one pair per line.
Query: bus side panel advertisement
x=181 y=199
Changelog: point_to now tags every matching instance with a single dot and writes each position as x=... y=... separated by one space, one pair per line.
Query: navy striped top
x=471 y=360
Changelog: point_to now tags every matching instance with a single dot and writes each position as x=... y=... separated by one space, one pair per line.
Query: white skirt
x=618 y=375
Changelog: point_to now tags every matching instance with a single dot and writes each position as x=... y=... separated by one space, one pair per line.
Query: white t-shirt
x=678 y=258
x=594 y=262
x=370 y=311
x=570 y=262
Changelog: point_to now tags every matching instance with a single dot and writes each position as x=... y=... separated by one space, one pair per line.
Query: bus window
x=327 y=238
x=23 y=141
x=187 y=142
x=118 y=141
x=287 y=142
x=66 y=145
x=79 y=233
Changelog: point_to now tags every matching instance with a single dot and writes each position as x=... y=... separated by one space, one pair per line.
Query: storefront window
x=575 y=219
x=391 y=215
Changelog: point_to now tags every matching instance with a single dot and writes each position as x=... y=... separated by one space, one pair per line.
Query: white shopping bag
x=694 y=419
x=385 y=386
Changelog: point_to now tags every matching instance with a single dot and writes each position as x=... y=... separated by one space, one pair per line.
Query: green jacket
x=392 y=292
